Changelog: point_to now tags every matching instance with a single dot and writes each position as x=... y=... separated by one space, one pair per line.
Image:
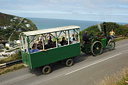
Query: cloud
x=64 y=8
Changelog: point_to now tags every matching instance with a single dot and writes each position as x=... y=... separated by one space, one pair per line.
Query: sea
x=45 y=23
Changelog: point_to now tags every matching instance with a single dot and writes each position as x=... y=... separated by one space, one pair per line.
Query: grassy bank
x=11 y=68
x=120 y=38
x=118 y=78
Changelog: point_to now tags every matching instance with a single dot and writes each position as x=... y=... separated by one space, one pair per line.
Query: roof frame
x=50 y=30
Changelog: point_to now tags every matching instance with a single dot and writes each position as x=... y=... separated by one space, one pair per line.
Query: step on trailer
x=44 y=59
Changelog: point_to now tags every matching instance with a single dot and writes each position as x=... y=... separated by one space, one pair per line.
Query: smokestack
x=104 y=23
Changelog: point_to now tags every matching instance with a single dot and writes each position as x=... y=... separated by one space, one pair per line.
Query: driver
x=85 y=37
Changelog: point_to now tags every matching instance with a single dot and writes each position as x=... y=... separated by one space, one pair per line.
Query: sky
x=92 y=10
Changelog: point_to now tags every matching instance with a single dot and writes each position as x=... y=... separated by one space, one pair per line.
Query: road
x=87 y=70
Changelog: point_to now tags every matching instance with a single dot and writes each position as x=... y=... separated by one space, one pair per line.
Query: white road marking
x=93 y=63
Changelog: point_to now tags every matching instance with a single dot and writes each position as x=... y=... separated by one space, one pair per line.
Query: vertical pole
x=29 y=52
x=56 y=39
x=27 y=43
x=68 y=37
x=104 y=23
x=43 y=41
x=74 y=32
x=65 y=35
x=78 y=34
x=22 y=43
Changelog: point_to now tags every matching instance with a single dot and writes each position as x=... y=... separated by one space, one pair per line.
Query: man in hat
x=85 y=37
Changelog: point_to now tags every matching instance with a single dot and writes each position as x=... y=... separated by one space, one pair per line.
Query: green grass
x=11 y=68
x=1 y=50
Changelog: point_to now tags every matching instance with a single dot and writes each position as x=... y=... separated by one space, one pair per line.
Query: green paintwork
x=87 y=47
x=50 y=56
x=25 y=58
x=103 y=41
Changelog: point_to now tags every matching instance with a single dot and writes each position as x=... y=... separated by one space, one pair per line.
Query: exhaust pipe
x=104 y=24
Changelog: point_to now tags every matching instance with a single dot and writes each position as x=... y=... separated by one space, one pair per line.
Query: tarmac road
x=87 y=70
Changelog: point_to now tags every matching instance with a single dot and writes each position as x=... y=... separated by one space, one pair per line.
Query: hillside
x=11 y=26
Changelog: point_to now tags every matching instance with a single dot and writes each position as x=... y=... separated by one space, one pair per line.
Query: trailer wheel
x=69 y=62
x=111 y=45
x=96 y=48
x=46 y=69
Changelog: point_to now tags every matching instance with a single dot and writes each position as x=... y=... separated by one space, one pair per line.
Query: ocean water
x=44 y=23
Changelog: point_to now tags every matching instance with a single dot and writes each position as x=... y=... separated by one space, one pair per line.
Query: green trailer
x=44 y=59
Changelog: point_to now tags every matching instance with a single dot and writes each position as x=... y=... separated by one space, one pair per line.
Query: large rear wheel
x=96 y=48
x=111 y=45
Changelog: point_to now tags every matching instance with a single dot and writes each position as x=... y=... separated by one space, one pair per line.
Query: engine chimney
x=104 y=23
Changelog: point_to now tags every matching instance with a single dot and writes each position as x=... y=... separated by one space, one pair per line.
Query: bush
x=6 y=48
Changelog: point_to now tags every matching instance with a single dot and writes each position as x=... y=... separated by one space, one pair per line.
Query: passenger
x=40 y=38
x=72 y=38
x=34 y=48
x=40 y=45
x=49 y=38
x=74 y=41
x=63 y=42
x=59 y=45
x=54 y=44
x=49 y=41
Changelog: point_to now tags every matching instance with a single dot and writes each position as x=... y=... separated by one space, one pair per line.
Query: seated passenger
x=40 y=45
x=49 y=41
x=72 y=38
x=59 y=45
x=49 y=45
x=49 y=38
x=74 y=41
x=63 y=42
x=54 y=44
x=34 y=48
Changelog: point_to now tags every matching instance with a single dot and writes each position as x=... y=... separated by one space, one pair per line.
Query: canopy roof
x=50 y=30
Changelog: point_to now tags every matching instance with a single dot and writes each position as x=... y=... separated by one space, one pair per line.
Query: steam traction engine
x=96 y=44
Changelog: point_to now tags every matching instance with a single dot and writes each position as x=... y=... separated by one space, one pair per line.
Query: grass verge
x=118 y=78
x=11 y=68
x=120 y=38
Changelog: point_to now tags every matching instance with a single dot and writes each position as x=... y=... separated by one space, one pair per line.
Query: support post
x=43 y=41
x=78 y=34
x=27 y=45
x=56 y=39
x=68 y=37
